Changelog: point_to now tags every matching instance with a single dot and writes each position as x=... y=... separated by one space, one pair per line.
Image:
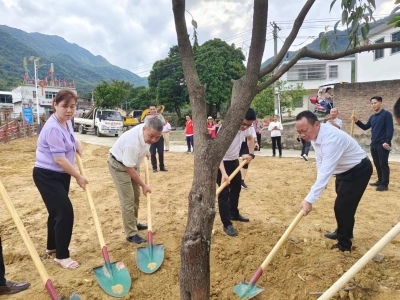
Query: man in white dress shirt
x=337 y=153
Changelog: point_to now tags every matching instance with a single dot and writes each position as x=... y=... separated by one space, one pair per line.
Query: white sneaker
x=301 y=156
x=305 y=157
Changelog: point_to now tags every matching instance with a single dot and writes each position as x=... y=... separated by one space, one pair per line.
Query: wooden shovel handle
x=147 y=181
x=282 y=240
x=24 y=234
x=225 y=184
x=340 y=283
x=352 y=123
x=91 y=203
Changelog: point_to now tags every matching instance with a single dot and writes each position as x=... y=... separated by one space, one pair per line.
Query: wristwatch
x=252 y=155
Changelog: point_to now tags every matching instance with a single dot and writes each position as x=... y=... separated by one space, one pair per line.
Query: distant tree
x=111 y=95
x=140 y=98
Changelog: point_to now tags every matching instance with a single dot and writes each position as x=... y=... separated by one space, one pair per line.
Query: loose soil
x=276 y=187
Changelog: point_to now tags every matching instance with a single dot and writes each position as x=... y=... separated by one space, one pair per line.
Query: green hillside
x=70 y=61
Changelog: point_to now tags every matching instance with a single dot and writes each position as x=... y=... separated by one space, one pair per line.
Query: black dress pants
x=380 y=156
x=276 y=140
x=157 y=147
x=350 y=187
x=228 y=199
x=54 y=188
x=2 y=268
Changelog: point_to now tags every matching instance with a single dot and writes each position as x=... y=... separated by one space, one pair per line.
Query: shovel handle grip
x=91 y=203
x=225 y=184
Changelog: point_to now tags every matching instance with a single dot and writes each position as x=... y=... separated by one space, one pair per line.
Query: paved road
x=109 y=141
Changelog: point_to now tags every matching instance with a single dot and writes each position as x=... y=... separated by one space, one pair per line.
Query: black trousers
x=190 y=142
x=259 y=140
x=54 y=187
x=2 y=268
x=380 y=156
x=306 y=147
x=157 y=147
x=228 y=199
x=350 y=187
x=276 y=140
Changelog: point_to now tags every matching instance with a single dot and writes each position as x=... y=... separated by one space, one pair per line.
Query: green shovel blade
x=113 y=278
x=247 y=291
x=74 y=296
x=150 y=258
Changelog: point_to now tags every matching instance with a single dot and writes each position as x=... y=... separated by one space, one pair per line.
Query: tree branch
x=304 y=52
x=289 y=41
x=258 y=36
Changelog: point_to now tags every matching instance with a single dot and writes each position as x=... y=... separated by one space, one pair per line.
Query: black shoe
x=136 y=239
x=12 y=287
x=188 y=151
x=340 y=247
x=375 y=183
x=155 y=170
x=163 y=169
x=244 y=186
x=141 y=226
x=382 y=188
x=240 y=218
x=333 y=235
x=229 y=230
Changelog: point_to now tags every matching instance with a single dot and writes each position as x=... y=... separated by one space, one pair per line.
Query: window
x=5 y=98
x=396 y=38
x=50 y=95
x=333 y=72
x=307 y=72
x=379 y=53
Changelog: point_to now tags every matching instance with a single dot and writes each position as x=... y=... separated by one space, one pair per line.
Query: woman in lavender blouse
x=52 y=173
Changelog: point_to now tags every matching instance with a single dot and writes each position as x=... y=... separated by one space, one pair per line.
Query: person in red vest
x=189 y=134
x=211 y=127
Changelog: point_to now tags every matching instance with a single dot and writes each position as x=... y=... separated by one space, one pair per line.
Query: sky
x=133 y=34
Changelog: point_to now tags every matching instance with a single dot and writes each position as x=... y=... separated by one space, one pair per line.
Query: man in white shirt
x=337 y=153
x=333 y=119
x=228 y=199
x=165 y=133
x=124 y=162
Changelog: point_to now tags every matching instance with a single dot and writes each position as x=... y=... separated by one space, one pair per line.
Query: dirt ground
x=276 y=187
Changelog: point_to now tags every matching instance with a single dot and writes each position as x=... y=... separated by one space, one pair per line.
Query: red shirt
x=189 y=127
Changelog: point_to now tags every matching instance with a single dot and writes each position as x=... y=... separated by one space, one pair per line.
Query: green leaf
x=335 y=27
x=324 y=44
x=345 y=15
x=332 y=4
x=353 y=3
x=364 y=32
x=344 y=4
x=372 y=2
x=394 y=20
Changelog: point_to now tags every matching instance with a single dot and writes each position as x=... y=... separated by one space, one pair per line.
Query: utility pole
x=277 y=105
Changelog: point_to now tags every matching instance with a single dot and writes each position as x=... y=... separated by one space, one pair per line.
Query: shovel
x=249 y=290
x=31 y=249
x=225 y=184
x=341 y=282
x=113 y=278
x=352 y=123
x=150 y=258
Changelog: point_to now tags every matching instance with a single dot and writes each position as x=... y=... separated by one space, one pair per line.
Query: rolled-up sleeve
x=330 y=156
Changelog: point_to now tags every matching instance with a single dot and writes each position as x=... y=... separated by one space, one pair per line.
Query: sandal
x=67 y=263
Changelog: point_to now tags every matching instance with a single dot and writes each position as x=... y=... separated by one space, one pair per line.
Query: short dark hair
x=152 y=105
x=250 y=115
x=396 y=108
x=328 y=89
x=377 y=98
x=311 y=117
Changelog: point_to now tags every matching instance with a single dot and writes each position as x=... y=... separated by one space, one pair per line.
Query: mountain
x=342 y=41
x=70 y=61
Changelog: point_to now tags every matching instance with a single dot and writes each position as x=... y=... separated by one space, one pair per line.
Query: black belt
x=113 y=157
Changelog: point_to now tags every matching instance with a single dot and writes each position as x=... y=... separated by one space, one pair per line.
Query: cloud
x=133 y=34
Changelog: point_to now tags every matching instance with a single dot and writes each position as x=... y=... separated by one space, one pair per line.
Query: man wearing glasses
x=228 y=199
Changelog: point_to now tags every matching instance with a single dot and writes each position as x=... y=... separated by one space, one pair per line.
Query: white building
x=313 y=73
x=381 y=64
x=25 y=95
